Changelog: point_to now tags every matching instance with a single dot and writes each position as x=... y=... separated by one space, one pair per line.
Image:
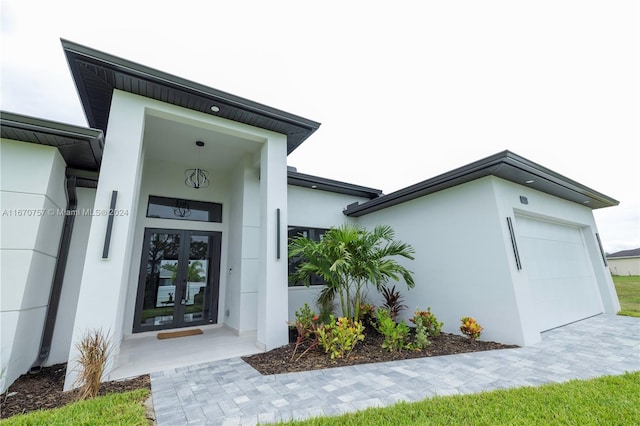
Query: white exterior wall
x=624 y=266
x=460 y=250
x=104 y=281
x=62 y=333
x=465 y=264
x=272 y=304
x=32 y=194
x=249 y=261
x=233 y=272
x=314 y=209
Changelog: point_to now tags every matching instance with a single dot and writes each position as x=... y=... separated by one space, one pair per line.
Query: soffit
x=80 y=147
x=97 y=74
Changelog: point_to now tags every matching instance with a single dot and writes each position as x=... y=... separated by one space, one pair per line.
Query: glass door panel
x=179 y=278
x=161 y=269
x=197 y=278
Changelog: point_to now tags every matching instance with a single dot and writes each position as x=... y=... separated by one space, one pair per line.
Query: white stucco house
x=109 y=229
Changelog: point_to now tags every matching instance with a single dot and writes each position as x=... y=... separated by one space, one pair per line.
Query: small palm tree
x=349 y=258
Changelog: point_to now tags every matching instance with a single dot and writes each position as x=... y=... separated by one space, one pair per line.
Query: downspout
x=58 y=275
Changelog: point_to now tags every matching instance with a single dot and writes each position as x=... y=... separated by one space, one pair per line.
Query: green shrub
x=421 y=339
x=426 y=325
x=367 y=314
x=340 y=336
x=395 y=335
x=327 y=307
x=470 y=328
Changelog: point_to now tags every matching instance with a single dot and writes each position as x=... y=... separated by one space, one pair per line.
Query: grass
x=628 y=289
x=113 y=409
x=611 y=400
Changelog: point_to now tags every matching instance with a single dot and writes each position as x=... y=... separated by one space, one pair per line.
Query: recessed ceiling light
x=314 y=186
x=530 y=181
x=215 y=108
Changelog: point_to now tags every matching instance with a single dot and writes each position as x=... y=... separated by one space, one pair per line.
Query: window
x=176 y=208
x=314 y=234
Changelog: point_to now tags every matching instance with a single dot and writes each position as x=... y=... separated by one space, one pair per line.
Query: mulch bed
x=43 y=390
x=370 y=350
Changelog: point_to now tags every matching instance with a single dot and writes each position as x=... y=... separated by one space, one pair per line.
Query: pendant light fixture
x=197 y=178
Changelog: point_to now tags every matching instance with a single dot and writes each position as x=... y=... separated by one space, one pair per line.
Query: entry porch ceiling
x=173 y=141
x=96 y=74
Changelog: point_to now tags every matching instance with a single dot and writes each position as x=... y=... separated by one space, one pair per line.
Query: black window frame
x=314 y=234
x=213 y=210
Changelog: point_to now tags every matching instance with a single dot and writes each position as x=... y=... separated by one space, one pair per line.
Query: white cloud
x=404 y=91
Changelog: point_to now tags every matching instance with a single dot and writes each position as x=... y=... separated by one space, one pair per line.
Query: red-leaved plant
x=307 y=327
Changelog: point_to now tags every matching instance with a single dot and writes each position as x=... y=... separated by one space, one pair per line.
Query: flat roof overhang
x=96 y=74
x=505 y=165
x=323 y=184
x=80 y=147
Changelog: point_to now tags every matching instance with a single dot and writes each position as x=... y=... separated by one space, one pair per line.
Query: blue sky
x=404 y=92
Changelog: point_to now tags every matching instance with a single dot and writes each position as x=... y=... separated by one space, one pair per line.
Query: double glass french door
x=179 y=279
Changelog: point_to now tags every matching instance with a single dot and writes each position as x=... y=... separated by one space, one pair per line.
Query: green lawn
x=113 y=409
x=612 y=400
x=628 y=289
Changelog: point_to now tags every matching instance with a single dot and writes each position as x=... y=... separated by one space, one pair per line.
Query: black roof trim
x=323 y=184
x=505 y=165
x=81 y=147
x=96 y=74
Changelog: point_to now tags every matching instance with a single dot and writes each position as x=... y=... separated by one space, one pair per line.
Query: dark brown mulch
x=43 y=390
x=368 y=351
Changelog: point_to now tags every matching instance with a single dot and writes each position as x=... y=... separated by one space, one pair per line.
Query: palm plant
x=349 y=258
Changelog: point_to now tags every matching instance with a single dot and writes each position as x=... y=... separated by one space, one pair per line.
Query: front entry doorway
x=179 y=279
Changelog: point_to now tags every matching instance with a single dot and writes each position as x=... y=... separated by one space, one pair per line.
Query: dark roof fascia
x=48 y=126
x=92 y=138
x=505 y=165
x=76 y=52
x=323 y=184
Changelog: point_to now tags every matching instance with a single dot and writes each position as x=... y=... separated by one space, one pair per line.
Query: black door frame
x=212 y=290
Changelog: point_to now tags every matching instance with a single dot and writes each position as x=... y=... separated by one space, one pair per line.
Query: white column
x=272 y=285
x=104 y=281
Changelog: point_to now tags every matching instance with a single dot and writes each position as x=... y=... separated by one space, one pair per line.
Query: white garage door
x=559 y=271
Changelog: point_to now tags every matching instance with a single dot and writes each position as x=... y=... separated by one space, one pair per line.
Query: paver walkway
x=231 y=392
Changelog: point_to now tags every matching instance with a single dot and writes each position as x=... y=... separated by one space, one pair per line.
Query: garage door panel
x=559 y=272
x=543 y=230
